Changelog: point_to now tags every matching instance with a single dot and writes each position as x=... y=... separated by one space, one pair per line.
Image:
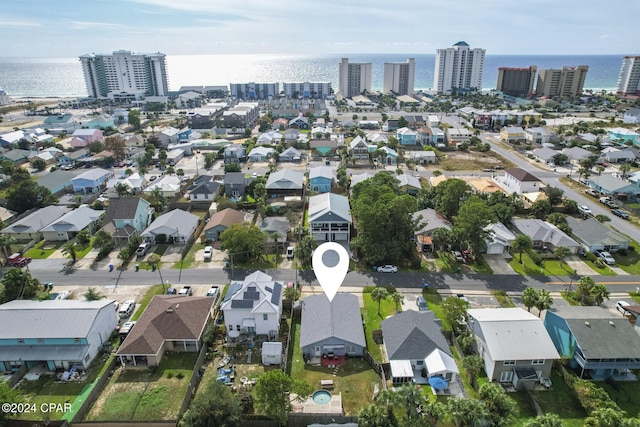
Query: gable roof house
x=299 y=122
x=577 y=154
x=430 y=221
x=285 y=182
x=544 y=234
x=414 y=346
x=168 y=135
x=514 y=345
x=277 y=227
x=409 y=184
x=91 y=181
x=291 y=154
x=538 y=135
x=545 y=154
x=70 y=224
x=323 y=147
x=359 y=149
x=596 y=236
x=11 y=137
x=260 y=154
x=220 y=221
x=235 y=153
x=58 y=181
x=83 y=137
x=205 y=190
x=512 y=134
x=612 y=186
x=270 y=138
x=169 y=186
x=235 y=184
x=330 y=218
x=127 y=217
x=520 y=181
x=499 y=240
x=17 y=156
x=615 y=155
x=28 y=228
x=632 y=116
x=253 y=306
x=169 y=323
x=602 y=345
x=60 y=334
x=291 y=135
x=60 y=123
x=321 y=179
x=389 y=156
x=331 y=328
x=407 y=136
x=177 y=226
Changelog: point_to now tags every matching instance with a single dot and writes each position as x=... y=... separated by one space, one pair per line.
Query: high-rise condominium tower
x=354 y=78
x=125 y=75
x=399 y=77
x=629 y=80
x=516 y=81
x=459 y=67
x=567 y=82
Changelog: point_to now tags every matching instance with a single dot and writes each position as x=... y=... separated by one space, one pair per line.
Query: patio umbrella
x=438 y=383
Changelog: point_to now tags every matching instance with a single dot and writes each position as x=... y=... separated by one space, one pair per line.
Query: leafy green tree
x=116 y=145
x=603 y=218
x=625 y=168
x=522 y=243
x=18 y=284
x=557 y=219
x=473 y=364
x=272 y=391
x=38 y=164
x=378 y=295
x=584 y=288
x=570 y=206
x=122 y=189
x=529 y=298
x=244 y=242
x=209 y=160
x=6 y=241
x=561 y=252
x=102 y=239
x=541 y=208
x=26 y=195
x=545 y=420
x=543 y=300
x=397 y=299
x=599 y=293
x=83 y=237
x=411 y=399
x=467 y=412
x=8 y=395
x=473 y=217
x=500 y=407
x=92 y=295
x=449 y=194
x=217 y=406
x=133 y=118
x=374 y=415
x=304 y=249
x=402 y=122
x=230 y=167
x=69 y=249
x=455 y=312
x=554 y=195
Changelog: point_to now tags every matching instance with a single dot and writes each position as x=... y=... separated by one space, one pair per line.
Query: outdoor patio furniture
x=326 y=384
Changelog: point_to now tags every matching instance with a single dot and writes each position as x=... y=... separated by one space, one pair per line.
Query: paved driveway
x=498 y=264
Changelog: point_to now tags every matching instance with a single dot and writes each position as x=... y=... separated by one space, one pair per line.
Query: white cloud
x=87 y=25
x=18 y=24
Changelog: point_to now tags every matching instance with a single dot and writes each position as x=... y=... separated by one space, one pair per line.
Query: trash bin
x=137 y=267
x=153 y=267
x=110 y=267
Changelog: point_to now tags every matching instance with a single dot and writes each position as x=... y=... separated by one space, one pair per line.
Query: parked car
x=153 y=177
x=591 y=192
x=466 y=255
x=621 y=213
x=126 y=309
x=143 y=249
x=172 y=291
x=208 y=251
x=186 y=291
x=17 y=260
x=604 y=200
x=463 y=298
x=213 y=291
x=290 y=252
x=606 y=257
x=458 y=256
x=388 y=269
x=585 y=210
x=422 y=304
x=621 y=306
x=125 y=329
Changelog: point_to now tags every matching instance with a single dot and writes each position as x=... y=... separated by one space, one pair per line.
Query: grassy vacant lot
x=146 y=395
x=355 y=381
x=372 y=319
x=151 y=292
x=457 y=161
x=43 y=249
x=629 y=262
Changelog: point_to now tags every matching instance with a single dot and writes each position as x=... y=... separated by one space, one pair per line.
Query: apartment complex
x=629 y=80
x=354 y=78
x=459 y=67
x=399 y=77
x=254 y=90
x=516 y=81
x=307 y=89
x=125 y=76
x=567 y=82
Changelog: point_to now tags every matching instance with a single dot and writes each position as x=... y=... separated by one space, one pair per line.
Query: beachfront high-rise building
x=254 y=90
x=516 y=81
x=124 y=75
x=399 y=77
x=459 y=67
x=307 y=89
x=629 y=80
x=354 y=78
x=566 y=82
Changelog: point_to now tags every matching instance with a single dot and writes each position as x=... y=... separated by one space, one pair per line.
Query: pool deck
x=310 y=407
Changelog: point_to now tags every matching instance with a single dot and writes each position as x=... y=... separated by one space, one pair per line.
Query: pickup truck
x=185 y=291
x=143 y=249
x=17 y=260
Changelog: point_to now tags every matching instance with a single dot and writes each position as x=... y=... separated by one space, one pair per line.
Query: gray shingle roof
x=124 y=208
x=75 y=220
x=611 y=183
x=591 y=232
x=431 y=219
x=55 y=179
x=285 y=179
x=329 y=203
x=413 y=335
x=543 y=231
x=34 y=222
x=339 y=318
x=184 y=223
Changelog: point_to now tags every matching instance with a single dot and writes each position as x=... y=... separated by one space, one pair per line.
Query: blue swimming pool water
x=321 y=397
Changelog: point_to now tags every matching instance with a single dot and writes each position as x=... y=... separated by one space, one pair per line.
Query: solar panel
x=241 y=303
x=251 y=288
x=268 y=289
x=275 y=296
x=252 y=296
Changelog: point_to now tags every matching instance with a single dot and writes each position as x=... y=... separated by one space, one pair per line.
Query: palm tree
x=154 y=261
x=69 y=249
x=584 y=287
x=379 y=294
x=561 y=252
x=159 y=198
x=529 y=298
x=600 y=169
x=473 y=364
x=6 y=241
x=522 y=243
x=599 y=292
x=624 y=168
x=412 y=399
x=122 y=190
x=92 y=295
x=544 y=300
x=397 y=298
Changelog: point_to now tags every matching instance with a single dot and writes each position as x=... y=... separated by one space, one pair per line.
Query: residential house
x=407 y=136
x=60 y=335
x=428 y=221
x=321 y=179
x=520 y=181
x=631 y=116
x=514 y=345
x=61 y=123
x=189 y=99
x=357 y=179
x=389 y=156
x=285 y=182
x=176 y=226
x=323 y=147
x=175 y=155
x=391 y=125
x=83 y=137
x=127 y=217
x=205 y=190
x=545 y=235
x=270 y=138
x=331 y=330
x=134 y=141
x=291 y=154
x=220 y=221
x=11 y=137
x=235 y=184
x=615 y=155
x=70 y=224
x=456 y=136
x=409 y=184
x=359 y=149
x=276 y=227
x=624 y=135
x=279 y=124
x=71 y=158
x=58 y=181
x=545 y=154
x=28 y=228
x=16 y=156
x=596 y=236
x=100 y=122
x=134 y=182
x=167 y=136
x=169 y=323
x=577 y=154
x=253 y=306
x=612 y=186
x=512 y=134
x=261 y=154
x=91 y=181
x=483 y=185
x=499 y=240
x=168 y=185
x=377 y=138
x=48 y=155
x=538 y=135
x=300 y=123
x=330 y=218
x=416 y=349
x=291 y=135
x=235 y=153
x=602 y=345
x=424 y=157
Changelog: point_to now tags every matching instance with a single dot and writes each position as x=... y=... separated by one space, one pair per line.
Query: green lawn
x=434 y=301
x=603 y=271
x=480 y=266
x=355 y=381
x=161 y=248
x=372 y=319
x=629 y=262
x=550 y=267
x=560 y=400
x=151 y=292
x=43 y=249
x=446 y=263
x=503 y=299
x=83 y=250
x=146 y=394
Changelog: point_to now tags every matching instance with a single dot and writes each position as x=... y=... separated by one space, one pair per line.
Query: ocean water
x=62 y=77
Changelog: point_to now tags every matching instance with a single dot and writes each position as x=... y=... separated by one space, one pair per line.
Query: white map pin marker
x=330 y=263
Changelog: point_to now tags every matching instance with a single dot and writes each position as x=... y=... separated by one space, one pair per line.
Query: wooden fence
x=196 y=375
x=95 y=392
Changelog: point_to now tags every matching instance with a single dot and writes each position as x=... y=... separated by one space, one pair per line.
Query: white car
x=208 y=251
x=585 y=210
x=388 y=269
x=606 y=257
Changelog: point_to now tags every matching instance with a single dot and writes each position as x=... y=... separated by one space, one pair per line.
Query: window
x=40 y=340
x=420 y=362
x=20 y=341
x=265 y=317
x=76 y=340
x=238 y=327
x=509 y=362
x=537 y=362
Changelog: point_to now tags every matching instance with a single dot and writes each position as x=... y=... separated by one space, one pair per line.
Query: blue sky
x=68 y=28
